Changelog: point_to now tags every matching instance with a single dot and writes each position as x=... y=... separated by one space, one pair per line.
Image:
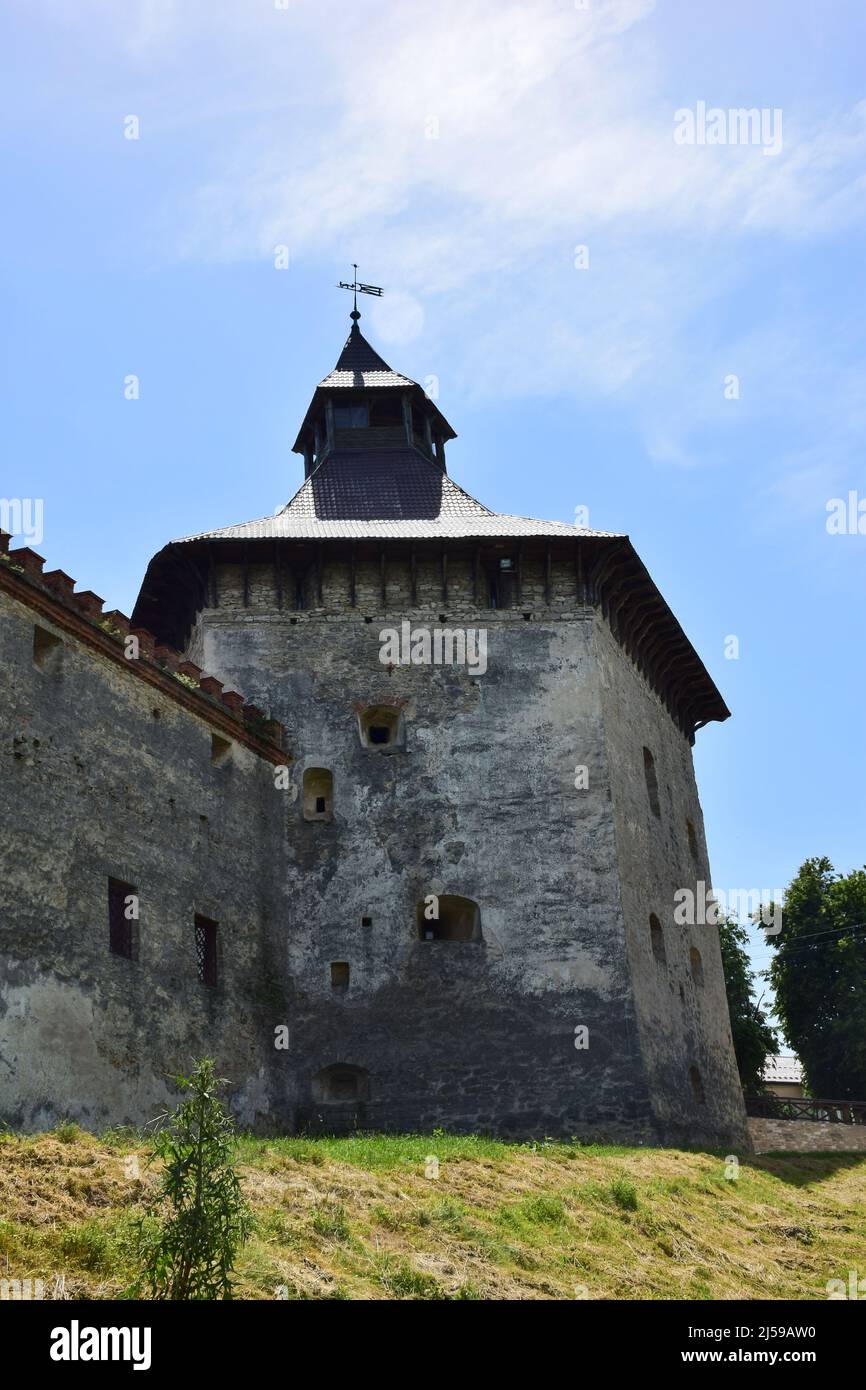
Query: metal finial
x=357 y=287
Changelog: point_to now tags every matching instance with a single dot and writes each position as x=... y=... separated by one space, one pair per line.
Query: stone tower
x=465 y=914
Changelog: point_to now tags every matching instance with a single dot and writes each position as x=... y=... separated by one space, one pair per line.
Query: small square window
x=379 y=726
x=366 y=921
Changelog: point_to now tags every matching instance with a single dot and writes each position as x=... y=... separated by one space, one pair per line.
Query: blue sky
x=460 y=153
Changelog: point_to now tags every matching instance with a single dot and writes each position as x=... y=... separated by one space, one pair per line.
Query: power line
x=854 y=930
x=827 y=940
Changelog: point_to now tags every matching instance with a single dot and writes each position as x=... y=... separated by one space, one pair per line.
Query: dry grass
x=358 y=1218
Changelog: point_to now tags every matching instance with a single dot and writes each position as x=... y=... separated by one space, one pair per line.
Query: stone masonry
x=543 y=802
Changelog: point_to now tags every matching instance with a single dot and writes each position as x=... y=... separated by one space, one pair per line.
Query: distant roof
x=783 y=1069
x=396 y=493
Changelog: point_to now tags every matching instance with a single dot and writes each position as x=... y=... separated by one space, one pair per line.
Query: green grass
x=543 y=1210
x=624 y=1193
x=329 y=1219
x=402 y=1280
x=382 y=1152
x=68 y=1132
x=87 y=1246
x=363 y=1217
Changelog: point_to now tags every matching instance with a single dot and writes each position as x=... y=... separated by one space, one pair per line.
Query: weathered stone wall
x=806 y=1136
x=481 y=801
x=107 y=777
x=103 y=776
x=682 y=1011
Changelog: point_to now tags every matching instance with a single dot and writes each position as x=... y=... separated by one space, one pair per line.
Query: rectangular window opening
x=122 y=916
x=340 y=975
x=351 y=417
x=220 y=750
x=46 y=649
x=206 y=949
x=318 y=798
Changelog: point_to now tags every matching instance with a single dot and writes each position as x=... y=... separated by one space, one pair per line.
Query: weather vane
x=357 y=287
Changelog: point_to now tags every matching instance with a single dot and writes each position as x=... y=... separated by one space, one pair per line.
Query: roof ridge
x=253 y=521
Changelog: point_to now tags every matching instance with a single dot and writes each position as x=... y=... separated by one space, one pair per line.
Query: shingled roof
x=375 y=484
x=395 y=492
x=360 y=368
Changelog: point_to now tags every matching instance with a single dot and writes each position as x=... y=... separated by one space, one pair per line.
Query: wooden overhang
x=609 y=576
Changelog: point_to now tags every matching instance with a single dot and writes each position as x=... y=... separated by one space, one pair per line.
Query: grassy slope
x=358 y=1218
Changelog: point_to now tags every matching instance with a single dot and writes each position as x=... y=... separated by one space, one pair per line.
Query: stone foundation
x=807 y=1136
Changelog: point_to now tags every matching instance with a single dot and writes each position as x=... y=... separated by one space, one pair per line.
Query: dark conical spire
x=358 y=355
x=365 y=406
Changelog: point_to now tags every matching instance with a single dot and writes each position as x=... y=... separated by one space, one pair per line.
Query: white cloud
x=553 y=126
x=547 y=123
x=552 y=129
x=397 y=318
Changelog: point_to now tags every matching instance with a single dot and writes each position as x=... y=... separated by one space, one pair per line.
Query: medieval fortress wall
x=476 y=799
x=109 y=776
x=329 y=1007
x=479 y=798
x=679 y=990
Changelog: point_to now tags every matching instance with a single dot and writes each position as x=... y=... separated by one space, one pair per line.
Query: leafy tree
x=753 y=1036
x=199 y=1218
x=819 y=977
